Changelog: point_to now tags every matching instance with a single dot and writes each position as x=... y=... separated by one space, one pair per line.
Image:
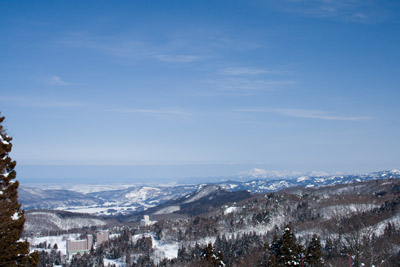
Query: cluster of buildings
x=82 y=246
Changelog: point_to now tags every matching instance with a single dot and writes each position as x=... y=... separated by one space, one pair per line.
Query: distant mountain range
x=128 y=199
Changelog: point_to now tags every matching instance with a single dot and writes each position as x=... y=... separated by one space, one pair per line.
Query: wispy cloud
x=166 y=111
x=236 y=71
x=177 y=58
x=245 y=86
x=135 y=49
x=307 y=114
x=317 y=114
x=38 y=102
x=56 y=81
x=351 y=10
x=160 y=113
x=245 y=71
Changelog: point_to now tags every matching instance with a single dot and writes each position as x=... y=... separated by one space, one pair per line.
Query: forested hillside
x=332 y=226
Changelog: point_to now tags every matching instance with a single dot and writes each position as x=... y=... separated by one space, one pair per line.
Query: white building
x=145 y=221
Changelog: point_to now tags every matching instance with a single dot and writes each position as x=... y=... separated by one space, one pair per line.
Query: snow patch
x=62 y=223
x=15 y=216
x=380 y=227
x=117 y=263
x=230 y=210
x=60 y=240
x=303 y=178
x=167 y=210
x=202 y=193
x=162 y=248
x=3 y=141
x=143 y=193
x=334 y=211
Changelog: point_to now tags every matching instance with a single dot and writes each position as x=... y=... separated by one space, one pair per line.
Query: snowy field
x=100 y=210
x=117 y=263
x=60 y=240
x=162 y=248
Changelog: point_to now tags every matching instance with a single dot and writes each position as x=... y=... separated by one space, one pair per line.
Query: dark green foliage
x=49 y=259
x=287 y=252
x=314 y=253
x=212 y=258
x=12 y=251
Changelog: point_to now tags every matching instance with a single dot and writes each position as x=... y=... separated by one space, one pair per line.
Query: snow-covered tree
x=286 y=250
x=290 y=250
x=12 y=251
x=314 y=253
x=212 y=258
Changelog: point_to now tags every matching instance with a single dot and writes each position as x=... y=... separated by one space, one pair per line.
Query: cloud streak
x=242 y=85
x=36 y=102
x=162 y=111
x=362 y=11
x=247 y=71
x=57 y=81
x=242 y=71
x=131 y=49
x=159 y=113
x=306 y=114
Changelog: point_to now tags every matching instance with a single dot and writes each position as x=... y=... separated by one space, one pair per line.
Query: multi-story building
x=145 y=221
x=82 y=246
x=79 y=246
x=101 y=237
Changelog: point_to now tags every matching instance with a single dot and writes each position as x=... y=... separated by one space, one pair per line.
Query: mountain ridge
x=138 y=198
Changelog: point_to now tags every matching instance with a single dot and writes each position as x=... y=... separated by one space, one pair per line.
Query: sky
x=161 y=91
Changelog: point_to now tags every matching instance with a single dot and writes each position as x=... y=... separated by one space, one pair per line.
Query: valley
x=125 y=199
x=358 y=219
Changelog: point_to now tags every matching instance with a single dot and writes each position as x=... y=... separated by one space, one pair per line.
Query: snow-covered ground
x=62 y=223
x=82 y=188
x=202 y=193
x=162 y=248
x=230 y=210
x=332 y=211
x=99 y=210
x=60 y=240
x=380 y=228
x=275 y=186
x=303 y=178
x=117 y=263
x=169 y=209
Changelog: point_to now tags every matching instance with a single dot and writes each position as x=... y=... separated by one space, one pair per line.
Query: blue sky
x=163 y=90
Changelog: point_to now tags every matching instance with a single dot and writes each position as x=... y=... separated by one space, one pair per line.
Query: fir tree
x=314 y=253
x=212 y=258
x=286 y=250
x=12 y=219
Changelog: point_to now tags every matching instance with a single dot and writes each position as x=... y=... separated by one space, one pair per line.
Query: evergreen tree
x=314 y=253
x=290 y=250
x=12 y=219
x=276 y=245
x=286 y=250
x=212 y=258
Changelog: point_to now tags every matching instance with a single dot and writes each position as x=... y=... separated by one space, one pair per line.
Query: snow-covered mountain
x=127 y=199
x=307 y=181
x=361 y=218
x=204 y=199
x=104 y=201
x=45 y=221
